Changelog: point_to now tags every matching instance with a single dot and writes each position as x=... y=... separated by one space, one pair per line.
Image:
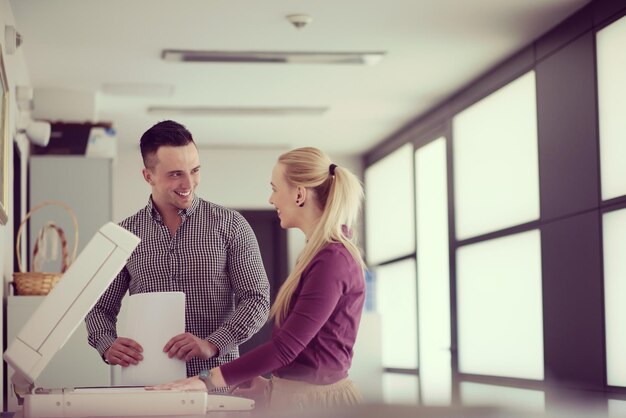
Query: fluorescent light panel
x=237 y=111
x=138 y=89
x=280 y=57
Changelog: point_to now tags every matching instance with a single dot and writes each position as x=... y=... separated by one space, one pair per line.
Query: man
x=187 y=245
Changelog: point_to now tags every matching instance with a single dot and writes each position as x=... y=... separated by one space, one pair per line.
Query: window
x=517 y=399
x=496 y=175
x=611 y=62
x=433 y=273
x=389 y=219
x=499 y=307
x=396 y=300
x=614 y=242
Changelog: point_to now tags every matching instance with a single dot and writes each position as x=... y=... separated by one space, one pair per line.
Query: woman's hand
x=258 y=390
x=191 y=384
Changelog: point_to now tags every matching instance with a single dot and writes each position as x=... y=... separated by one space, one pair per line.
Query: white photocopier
x=55 y=320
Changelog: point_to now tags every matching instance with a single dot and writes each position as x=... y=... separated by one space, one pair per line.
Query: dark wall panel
x=573 y=302
x=570 y=29
x=567 y=128
x=272 y=241
x=605 y=11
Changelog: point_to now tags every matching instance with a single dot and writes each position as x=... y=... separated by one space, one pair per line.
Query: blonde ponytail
x=339 y=194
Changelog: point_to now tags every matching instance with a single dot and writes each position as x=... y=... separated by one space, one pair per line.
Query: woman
x=317 y=311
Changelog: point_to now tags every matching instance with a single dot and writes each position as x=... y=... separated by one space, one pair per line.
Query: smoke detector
x=299 y=20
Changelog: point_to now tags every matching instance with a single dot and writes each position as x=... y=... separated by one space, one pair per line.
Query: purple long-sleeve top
x=314 y=342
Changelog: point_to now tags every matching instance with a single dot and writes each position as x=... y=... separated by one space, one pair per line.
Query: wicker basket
x=36 y=283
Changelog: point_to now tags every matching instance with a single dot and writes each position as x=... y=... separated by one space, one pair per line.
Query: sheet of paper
x=154 y=318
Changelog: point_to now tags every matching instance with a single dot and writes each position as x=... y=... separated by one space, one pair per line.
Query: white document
x=154 y=318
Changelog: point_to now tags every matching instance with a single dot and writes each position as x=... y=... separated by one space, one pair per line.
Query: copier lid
x=66 y=306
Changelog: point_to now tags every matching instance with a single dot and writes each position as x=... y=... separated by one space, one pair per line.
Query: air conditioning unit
x=85 y=139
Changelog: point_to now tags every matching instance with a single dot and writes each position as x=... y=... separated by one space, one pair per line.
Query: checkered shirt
x=214 y=259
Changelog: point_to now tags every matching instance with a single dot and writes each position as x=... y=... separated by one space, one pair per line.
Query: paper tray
x=126 y=402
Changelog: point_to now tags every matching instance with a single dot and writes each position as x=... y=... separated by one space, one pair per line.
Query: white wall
x=17 y=74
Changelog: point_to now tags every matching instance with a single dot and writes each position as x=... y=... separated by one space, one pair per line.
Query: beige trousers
x=297 y=395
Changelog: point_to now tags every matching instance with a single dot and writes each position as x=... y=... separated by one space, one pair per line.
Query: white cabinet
x=76 y=364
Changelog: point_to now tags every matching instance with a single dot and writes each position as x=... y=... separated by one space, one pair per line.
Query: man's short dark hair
x=165 y=133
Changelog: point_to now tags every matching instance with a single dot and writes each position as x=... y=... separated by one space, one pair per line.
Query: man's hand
x=187 y=346
x=124 y=352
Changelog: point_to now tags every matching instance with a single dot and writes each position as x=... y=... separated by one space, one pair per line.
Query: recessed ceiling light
x=367 y=58
x=237 y=111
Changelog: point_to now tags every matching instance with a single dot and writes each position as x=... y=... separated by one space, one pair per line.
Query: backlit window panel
x=611 y=59
x=513 y=399
x=400 y=389
x=433 y=273
x=614 y=245
x=617 y=408
x=389 y=207
x=496 y=175
x=396 y=301
x=499 y=307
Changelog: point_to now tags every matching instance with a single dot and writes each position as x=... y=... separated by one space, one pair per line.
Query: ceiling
x=433 y=48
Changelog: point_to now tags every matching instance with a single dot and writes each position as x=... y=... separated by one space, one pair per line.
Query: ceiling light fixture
x=367 y=58
x=237 y=111
x=138 y=89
